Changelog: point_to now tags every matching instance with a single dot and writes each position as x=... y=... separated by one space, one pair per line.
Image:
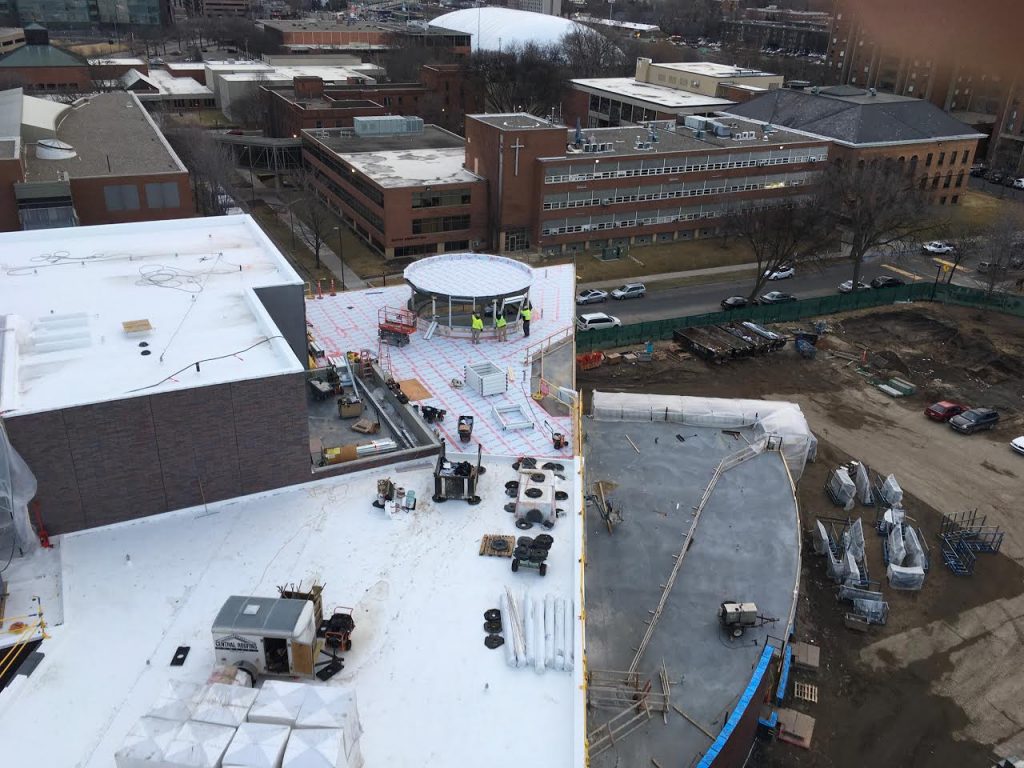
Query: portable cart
x=465 y=428
x=457 y=480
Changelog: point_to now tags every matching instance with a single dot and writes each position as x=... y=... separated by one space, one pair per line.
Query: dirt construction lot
x=941 y=684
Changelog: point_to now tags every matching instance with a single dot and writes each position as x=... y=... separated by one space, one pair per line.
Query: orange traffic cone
x=332 y=288
x=319 y=289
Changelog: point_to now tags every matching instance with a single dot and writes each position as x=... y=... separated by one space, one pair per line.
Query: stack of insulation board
x=281 y=724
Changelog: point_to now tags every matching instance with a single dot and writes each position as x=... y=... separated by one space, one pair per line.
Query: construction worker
x=525 y=313
x=478 y=327
x=501 y=326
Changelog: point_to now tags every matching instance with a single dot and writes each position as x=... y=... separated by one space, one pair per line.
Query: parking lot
x=939 y=684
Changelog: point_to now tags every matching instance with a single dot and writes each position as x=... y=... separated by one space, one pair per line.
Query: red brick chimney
x=308 y=87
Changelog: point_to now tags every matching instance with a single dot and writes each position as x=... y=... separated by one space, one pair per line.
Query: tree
x=588 y=53
x=210 y=164
x=250 y=108
x=317 y=221
x=874 y=206
x=995 y=247
x=788 y=232
x=964 y=237
x=525 y=78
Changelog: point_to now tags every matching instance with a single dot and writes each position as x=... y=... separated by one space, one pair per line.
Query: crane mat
x=503 y=549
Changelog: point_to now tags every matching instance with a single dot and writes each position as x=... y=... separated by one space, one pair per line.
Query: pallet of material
x=795 y=728
x=487 y=545
x=806 y=657
x=366 y=427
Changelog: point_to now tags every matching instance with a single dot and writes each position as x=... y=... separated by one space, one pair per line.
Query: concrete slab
x=746 y=548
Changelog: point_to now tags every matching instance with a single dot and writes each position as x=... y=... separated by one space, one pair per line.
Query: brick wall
x=109 y=462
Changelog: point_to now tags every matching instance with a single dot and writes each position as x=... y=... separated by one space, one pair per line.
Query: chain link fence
x=661 y=330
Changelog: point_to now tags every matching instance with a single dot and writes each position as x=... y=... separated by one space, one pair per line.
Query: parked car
x=978 y=170
x=734 y=302
x=776 y=297
x=994 y=176
x=937 y=246
x=591 y=296
x=974 y=420
x=593 y=320
x=944 y=410
x=1018 y=183
x=784 y=272
x=630 y=291
x=1018 y=444
x=847 y=286
x=884 y=281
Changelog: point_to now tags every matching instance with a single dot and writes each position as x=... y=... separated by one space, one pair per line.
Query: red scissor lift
x=395 y=326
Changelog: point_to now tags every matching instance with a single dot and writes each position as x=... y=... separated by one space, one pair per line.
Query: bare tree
x=317 y=224
x=995 y=247
x=210 y=164
x=786 y=233
x=250 y=108
x=875 y=206
x=588 y=53
x=518 y=79
x=964 y=237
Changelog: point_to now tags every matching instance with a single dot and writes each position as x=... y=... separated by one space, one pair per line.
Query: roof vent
x=54 y=149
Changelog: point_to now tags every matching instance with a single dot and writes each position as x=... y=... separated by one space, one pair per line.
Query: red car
x=944 y=410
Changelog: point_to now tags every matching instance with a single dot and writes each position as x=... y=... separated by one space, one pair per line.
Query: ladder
x=365 y=363
x=384 y=357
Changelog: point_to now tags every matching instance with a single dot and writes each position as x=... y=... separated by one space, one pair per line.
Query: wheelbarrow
x=465 y=428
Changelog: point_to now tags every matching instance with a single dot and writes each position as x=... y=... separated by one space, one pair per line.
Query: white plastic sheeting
x=546 y=627
x=332 y=706
x=842 y=487
x=892 y=494
x=17 y=488
x=897 y=551
x=257 y=745
x=864 y=491
x=146 y=743
x=891 y=517
x=278 y=702
x=766 y=417
x=225 y=705
x=851 y=574
x=906 y=572
x=198 y=745
x=315 y=748
x=177 y=701
x=853 y=540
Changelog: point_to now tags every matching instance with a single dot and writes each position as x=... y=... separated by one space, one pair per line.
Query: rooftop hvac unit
x=588 y=147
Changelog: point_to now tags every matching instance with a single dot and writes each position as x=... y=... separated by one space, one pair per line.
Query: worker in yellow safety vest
x=501 y=326
x=478 y=326
x=525 y=313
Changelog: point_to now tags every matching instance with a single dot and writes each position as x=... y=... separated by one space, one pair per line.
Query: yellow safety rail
x=25 y=635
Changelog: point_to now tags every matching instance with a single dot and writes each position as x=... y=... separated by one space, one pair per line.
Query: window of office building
x=437 y=198
x=440 y=224
x=162 y=195
x=121 y=197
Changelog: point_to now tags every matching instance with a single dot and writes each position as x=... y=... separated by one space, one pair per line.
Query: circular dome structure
x=451 y=286
x=494 y=28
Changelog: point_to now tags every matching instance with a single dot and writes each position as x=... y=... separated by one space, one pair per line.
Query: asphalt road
x=809 y=282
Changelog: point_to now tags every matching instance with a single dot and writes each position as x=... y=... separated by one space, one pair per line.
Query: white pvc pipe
x=506 y=630
x=549 y=631
x=538 y=630
x=567 y=623
x=559 y=634
x=531 y=650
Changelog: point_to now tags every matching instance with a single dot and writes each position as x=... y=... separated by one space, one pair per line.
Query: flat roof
x=712 y=69
x=512 y=121
x=344 y=140
x=349 y=321
x=746 y=548
x=113 y=135
x=681 y=139
x=66 y=293
x=413 y=167
x=129 y=60
x=416 y=583
x=356 y=25
x=291 y=71
x=185 y=65
x=276 y=615
x=186 y=86
x=656 y=95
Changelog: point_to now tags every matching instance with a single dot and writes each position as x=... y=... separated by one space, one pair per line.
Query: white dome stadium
x=494 y=28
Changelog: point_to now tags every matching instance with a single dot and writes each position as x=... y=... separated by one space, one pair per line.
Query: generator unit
x=738 y=617
x=535 y=501
x=267 y=636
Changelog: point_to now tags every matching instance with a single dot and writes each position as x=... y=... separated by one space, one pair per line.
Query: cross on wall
x=517 y=146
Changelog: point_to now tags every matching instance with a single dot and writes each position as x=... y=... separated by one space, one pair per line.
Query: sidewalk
x=328 y=258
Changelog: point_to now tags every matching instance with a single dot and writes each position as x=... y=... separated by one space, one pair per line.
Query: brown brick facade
x=941 y=168
x=91 y=206
x=109 y=462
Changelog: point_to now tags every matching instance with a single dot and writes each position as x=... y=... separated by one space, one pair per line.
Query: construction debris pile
x=728 y=341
